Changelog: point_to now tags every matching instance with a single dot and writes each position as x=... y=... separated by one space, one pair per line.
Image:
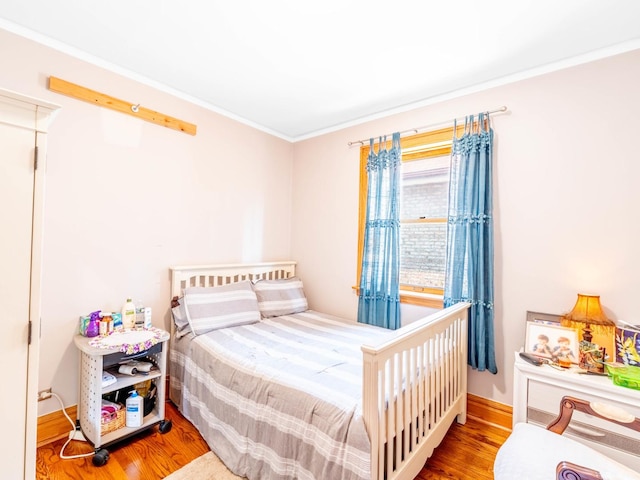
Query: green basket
x=624 y=375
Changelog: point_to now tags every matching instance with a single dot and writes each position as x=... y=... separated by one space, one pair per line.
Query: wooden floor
x=467 y=452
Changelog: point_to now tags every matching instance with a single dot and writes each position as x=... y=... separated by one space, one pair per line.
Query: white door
x=23 y=122
x=16 y=217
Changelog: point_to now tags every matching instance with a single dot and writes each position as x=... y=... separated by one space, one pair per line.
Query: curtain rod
x=417 y=129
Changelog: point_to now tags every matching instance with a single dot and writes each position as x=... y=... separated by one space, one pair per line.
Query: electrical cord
x=73 y=426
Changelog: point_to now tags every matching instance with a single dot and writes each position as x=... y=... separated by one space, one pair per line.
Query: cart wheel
x=165 y=426
x=100 y=457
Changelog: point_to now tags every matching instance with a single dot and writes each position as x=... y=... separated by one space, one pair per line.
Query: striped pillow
x=211 y=308
x=280 y=297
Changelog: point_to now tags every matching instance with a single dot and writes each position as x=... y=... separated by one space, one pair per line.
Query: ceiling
x=297 y=68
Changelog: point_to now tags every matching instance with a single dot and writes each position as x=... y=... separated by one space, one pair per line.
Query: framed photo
x=551 y=341
x=546 y=318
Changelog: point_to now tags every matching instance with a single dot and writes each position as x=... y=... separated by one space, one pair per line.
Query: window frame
x=433 y=143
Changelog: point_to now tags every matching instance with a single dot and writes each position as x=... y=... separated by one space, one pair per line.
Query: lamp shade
x=588 y=312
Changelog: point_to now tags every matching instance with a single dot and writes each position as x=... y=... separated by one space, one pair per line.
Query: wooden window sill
x=421 y=299
x=417 y=298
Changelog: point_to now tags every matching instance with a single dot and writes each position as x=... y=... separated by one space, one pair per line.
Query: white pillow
x=211 y=308
x=280 y=297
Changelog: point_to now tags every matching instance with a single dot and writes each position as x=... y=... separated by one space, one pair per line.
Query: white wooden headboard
x=216 y=275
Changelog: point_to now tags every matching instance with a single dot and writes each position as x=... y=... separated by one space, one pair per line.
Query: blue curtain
x=469 y=261
x=379 y=297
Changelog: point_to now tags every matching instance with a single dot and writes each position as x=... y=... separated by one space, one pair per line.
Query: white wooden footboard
x=414 y=386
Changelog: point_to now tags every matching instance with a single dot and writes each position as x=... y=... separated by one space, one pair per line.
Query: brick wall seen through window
x=423 y=231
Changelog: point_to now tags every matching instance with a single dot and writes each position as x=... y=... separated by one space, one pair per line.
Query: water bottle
x=134 y=408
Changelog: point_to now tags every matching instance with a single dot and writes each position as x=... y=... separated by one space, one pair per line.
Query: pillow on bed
x=179 y=315
x=211 y=308
x=280 y=297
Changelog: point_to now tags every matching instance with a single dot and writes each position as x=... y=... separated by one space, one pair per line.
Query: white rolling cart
x=95 y=360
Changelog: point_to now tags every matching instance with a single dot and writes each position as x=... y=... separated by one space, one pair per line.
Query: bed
x=296 y=393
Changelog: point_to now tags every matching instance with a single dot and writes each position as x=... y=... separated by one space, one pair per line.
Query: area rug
x=205 y=467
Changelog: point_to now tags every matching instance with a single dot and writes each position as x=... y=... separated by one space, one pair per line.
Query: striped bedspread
x=279 y=399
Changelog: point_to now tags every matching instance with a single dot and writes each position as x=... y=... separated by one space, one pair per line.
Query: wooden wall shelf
x=82 y=93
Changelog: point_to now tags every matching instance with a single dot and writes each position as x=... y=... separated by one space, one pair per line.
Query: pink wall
x=125 y=199
x=566 y=199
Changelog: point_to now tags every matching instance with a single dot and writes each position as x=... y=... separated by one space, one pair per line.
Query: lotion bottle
x=129 y=315
x=134 y=406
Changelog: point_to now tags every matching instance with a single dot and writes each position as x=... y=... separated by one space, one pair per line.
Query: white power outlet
x=77 y=435
x=44 y=394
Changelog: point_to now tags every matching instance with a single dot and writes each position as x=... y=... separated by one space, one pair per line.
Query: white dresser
x=536 y=399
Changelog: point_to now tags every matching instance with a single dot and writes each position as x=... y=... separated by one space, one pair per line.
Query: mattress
x=281 y=398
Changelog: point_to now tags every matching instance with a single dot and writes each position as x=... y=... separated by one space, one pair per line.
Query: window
x=423 y=215
x=423 y=223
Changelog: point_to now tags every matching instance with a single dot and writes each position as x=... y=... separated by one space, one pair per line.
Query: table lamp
x=587 y=314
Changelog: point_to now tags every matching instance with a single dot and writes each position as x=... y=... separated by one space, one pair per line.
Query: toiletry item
x=103 y=327
x=117 y=321
x=139 y=318
x=84 y=323
x=93 y=329
x=134 y=406
x=108 y=379
x=129 y=315
x=106 y=323
x=147 y=317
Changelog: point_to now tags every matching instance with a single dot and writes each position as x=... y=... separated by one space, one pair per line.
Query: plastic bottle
x=139 y=317
x=134 y=406
x=147 y=317
x=93 y=329
x=129 y=315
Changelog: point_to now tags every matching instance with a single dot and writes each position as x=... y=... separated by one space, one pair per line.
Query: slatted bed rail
x=414 y=387
x=216 y=275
